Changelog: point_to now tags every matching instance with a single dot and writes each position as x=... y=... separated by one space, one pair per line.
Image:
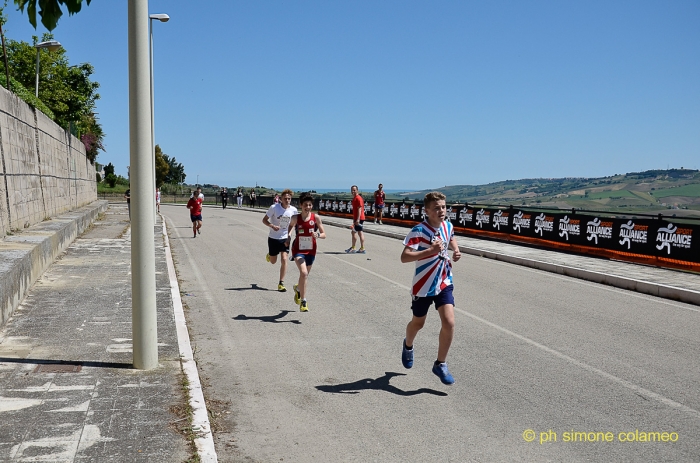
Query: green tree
x=111 y=179
x=176 y=174
x=109 y=169
x=66 y=90
x=49 y=10
x=162 y=167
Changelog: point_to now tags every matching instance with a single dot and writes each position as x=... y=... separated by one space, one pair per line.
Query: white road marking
x=200 y=419
x=622 y=382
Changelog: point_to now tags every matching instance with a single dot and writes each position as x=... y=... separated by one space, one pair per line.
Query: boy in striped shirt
x=427 y=245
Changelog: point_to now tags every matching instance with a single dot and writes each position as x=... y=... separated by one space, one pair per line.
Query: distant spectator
x=277 y=199
x=239 y=197
x=253 y=197
x=127 y=196
x=224 y=197
x=379 y=197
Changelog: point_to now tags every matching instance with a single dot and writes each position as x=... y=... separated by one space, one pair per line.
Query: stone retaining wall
x=44 y=170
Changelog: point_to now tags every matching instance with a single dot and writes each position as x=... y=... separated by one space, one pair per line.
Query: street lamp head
x=51 y=45
x=162 y=17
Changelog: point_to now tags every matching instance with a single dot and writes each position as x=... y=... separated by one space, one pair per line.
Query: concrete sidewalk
x=667 y=283
x=68 y=391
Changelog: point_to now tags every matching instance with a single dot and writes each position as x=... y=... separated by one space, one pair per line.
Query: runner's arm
x=456 y=255
x=321 y=230
x=266 y=221
x=411 y=255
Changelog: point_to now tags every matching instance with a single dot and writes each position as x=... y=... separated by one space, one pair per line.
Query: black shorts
x=277 y=246
x=195 y=218
x=359 y=227
x=308 y=258
x=421 y=305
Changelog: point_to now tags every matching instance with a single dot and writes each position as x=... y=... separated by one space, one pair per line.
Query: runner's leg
x=303 y=275
x=447 y=316
x=413 y=327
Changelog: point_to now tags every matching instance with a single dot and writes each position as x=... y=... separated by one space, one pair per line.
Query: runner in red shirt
x=379 y=197
x=195 y=207
x=358 y=220
x=308 y=228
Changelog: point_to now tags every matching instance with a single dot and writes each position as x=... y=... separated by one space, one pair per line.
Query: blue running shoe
x=441 y=371
x=406 y=356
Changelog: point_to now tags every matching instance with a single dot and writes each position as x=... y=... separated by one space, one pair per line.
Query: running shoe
x=350 y=250
x=441 y=371
x=267 y=257
x=297 y=296
x=406 y=356
x=303 y=306
x=381 y=223
x=199 y=231
x=195 y=236
x=362 y=251
x=281 y=288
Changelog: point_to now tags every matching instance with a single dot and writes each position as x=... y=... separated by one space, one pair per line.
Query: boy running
x=308 y=227
x=426 y=245
x=358 y=220
x=195 y=207
x=278 y=218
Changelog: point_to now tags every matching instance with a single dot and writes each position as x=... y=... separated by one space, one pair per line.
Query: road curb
x=200 y=418
x=645 y=287
x=24 y=257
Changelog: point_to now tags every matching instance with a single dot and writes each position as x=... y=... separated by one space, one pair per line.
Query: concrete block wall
x=44 y=170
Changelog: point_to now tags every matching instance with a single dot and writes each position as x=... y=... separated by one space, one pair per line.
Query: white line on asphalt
x=631 y=386
x=625 y=292
x=571 y=279
x=200 y=419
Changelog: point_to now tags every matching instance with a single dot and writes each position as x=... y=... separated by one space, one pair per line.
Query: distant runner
x=358 y=220
x=158 y=200
x=308 y=228
x=278 y=218
x=379 y=197
x=426 y=245
x=195 y=207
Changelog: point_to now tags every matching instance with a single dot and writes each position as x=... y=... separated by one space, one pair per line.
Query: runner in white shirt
x=278 y=218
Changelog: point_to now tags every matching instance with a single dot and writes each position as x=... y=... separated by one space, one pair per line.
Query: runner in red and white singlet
x=308 y=227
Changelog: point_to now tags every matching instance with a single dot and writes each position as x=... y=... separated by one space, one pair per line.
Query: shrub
x=111 y=180
x=98 y=177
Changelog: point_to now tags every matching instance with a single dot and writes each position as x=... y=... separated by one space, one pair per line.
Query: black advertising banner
x=649 y=237
x=522 y=223
x=675 y=241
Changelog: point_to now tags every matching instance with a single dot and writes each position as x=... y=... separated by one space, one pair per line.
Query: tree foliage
x=109 y=169
x=49 y=10
x=66 y=90
x=177 y=171
x=162 y=167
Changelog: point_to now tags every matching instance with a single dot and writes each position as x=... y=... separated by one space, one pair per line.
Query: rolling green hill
x=651 y=191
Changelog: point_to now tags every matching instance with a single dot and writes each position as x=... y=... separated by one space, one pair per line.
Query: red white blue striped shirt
x=434 y=273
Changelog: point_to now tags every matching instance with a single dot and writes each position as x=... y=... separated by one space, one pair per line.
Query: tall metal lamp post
x=162 y=17
x=51 y=45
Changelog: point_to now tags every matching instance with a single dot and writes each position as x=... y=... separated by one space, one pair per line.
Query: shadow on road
x=379 y=384
x=270 y=318
x=335 y=252
x=252 y=286
x=81 y=363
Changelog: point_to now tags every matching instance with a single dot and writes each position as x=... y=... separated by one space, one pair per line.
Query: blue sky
x=414 y=95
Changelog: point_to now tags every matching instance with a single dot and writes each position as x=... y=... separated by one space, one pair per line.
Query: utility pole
x=143 y=266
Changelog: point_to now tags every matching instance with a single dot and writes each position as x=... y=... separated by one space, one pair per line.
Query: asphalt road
x=532 y=351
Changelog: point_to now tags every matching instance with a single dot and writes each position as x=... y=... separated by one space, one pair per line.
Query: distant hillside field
x=652 y=191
